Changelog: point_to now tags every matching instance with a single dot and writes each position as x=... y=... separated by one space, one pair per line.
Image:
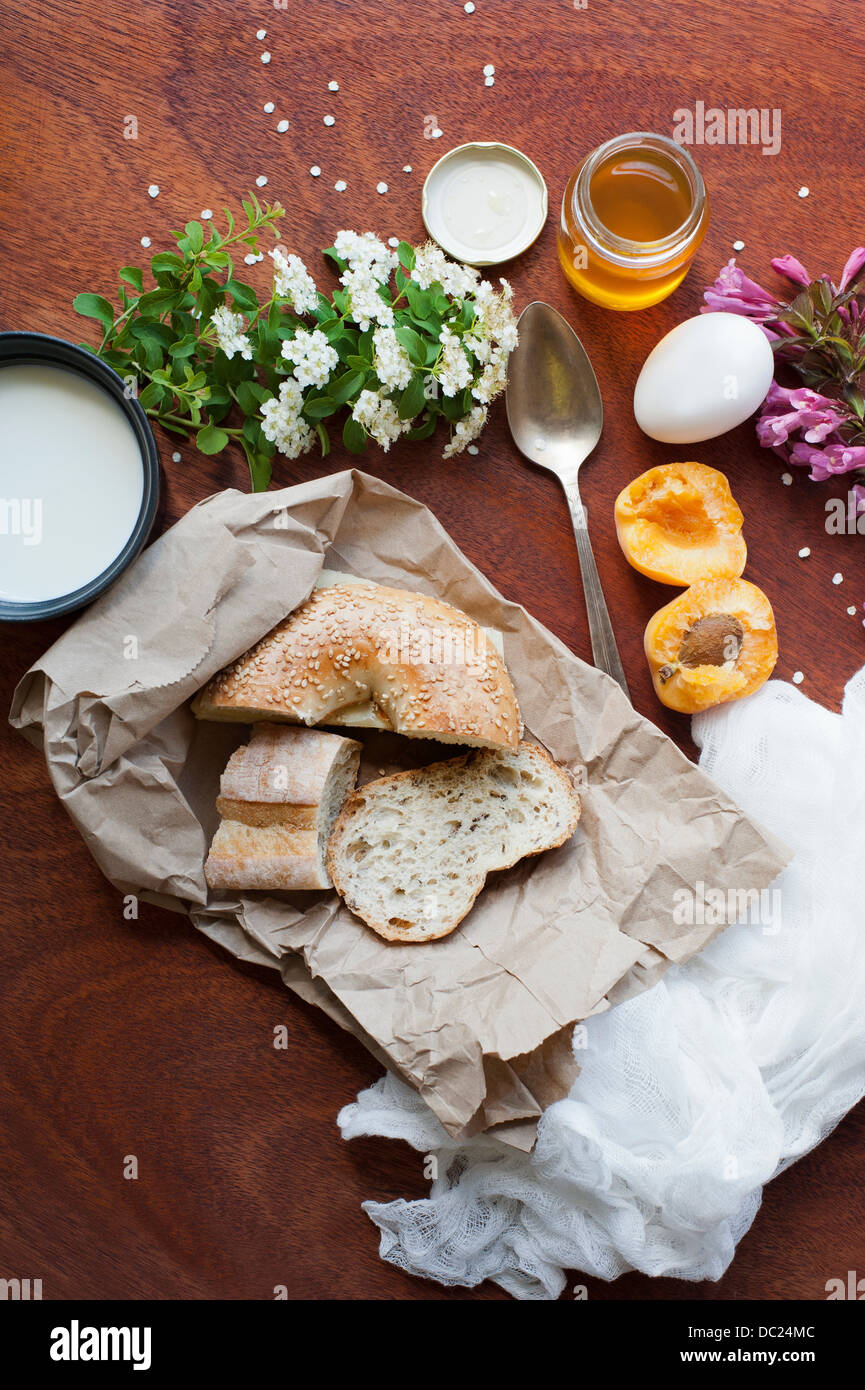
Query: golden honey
x=633 y=215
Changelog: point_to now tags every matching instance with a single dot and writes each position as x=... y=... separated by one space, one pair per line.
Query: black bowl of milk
x=79 y=476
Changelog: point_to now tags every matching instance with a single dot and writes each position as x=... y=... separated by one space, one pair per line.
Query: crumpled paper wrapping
x=478 y=1022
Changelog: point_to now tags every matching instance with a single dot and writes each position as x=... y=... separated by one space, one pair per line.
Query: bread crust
x=415 y=776
x=408 y=662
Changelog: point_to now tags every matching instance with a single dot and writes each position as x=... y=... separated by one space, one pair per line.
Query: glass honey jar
x=633 y=215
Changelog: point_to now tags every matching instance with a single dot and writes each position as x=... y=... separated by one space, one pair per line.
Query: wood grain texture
x=140 y=1038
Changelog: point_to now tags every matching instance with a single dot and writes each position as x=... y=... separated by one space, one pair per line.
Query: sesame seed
x=175 y=457
x=265 y=57
x=738 y=245
x=469 y=7
x=804 y=191
x=315 y=171
x=489 y=81
x=268 y=107
x=798 y=677
x=406 y=168
x=437 y=133
x=206 y=214
x=488 y=69
x=333 y=86
x=392 y=241
x=261 y=34
x=786 y=479
x=249 y=259
x=381 y=188
x=282 y=126
x=852 y=610
x=329 y=120
x=145 y=241
x=261 y=180
x=838 y=578
x=804 y=552
x=153 y=190
x=472 y=449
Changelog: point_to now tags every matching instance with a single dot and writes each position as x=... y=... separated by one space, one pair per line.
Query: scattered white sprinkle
x=329 y=120
x=206 y=214
x=393 y=241
x=153 y=190
x=381 y=188
x=406 y=168
x=786 y=479
x=804 y=552
x=469 y=7
x=488 y=69
x=265 y=57
x=261 y=34
x=145 y=241
x=852 y=610
x=738 y=245
x=489 y=81
x=437 y=133
x=315 y=171
x=333 y=86
x=261 y=180
x=282 y=126
x=798 y=677
x=268 y=107
x=838 y=578
x=804 y=191
x=175 y=457
x=340 y=185
x=472 y=449
x=249 y=259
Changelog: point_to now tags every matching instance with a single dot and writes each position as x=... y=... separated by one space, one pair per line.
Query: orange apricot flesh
x=679 y=523
x=714 y=643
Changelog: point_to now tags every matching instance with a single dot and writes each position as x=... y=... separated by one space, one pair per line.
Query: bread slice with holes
x=410 y=853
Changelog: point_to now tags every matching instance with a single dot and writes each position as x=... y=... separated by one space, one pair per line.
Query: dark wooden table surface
x=140 y=1038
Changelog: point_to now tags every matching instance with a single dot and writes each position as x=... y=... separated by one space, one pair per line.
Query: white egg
x=707 y=376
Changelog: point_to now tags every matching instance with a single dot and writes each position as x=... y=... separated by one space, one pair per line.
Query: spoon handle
x=604 y=649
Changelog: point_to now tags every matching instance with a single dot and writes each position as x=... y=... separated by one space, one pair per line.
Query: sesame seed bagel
x=373 y=657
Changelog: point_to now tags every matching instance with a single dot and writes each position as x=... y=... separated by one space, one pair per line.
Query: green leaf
x=413 y=344
x=93 y=306
x=425 y=429
x=244 y=296
x=420 y=301
x=405 y=253
x=319 y=407
x=358 y=364
x=195 y=236
x=211 y=439
x=154 y=394
x=166 y=261
x=354 y=436
x=323 y=439
x=157 y=302
x=133 y=276
x=250 y=395
x=185 y=347
x=413 y=398
x=342 y=388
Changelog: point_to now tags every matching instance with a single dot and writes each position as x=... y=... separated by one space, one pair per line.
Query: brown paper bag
x=480 y=1021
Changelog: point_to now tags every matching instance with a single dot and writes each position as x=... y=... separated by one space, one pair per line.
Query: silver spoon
x=556 y=416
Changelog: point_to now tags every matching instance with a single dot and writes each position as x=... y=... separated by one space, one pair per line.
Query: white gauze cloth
x=698 y=1091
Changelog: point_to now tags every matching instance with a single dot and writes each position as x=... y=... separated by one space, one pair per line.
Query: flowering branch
x=408 y=337
x=819 y=334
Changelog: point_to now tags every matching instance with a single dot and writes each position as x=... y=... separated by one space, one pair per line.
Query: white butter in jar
x=484 y=203
x=71 y=481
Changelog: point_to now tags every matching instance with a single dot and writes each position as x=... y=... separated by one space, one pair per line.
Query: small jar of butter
x=633 y=215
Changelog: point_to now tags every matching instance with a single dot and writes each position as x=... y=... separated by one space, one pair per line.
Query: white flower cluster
x=431 y=264
x=369 y=264
x=229 y=333
x=282 y=423
x=313 y=357
x=454 y=369
x=292 y=281
x=392 y=363
x=379 y=417
x=465 y=430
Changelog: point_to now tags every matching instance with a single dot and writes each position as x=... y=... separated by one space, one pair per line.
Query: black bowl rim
x=21 y=346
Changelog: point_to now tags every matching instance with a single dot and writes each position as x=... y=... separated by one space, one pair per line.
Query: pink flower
x=793 y=269
x=855 y=262
x=829 y=461
x=734 y=293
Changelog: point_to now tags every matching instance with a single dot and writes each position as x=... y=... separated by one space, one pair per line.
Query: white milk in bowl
x=71 y=481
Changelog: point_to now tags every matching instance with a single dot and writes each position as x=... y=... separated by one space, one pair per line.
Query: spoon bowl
x=556 y=416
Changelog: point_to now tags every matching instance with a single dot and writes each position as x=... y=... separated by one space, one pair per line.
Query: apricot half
x=715 y=642
x=679 y=523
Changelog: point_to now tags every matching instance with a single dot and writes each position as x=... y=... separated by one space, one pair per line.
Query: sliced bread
x=410 y=853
